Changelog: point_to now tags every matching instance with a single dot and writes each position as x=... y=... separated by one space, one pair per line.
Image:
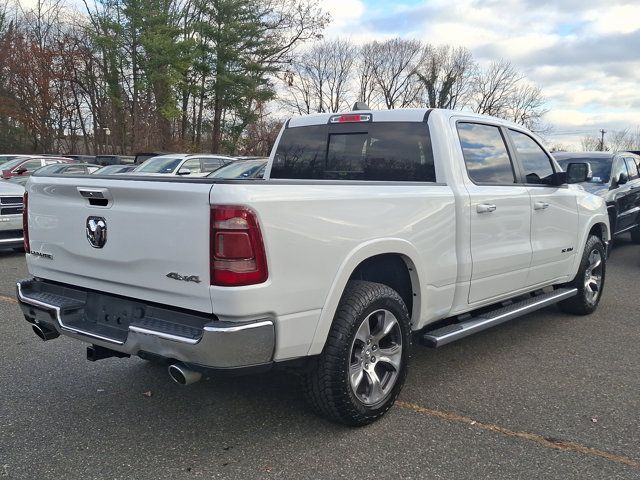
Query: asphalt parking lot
x=546 y=396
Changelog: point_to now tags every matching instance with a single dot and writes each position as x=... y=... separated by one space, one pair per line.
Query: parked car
x=372 y=227
x=89 y=159
x=104 y=160
x=242 y=169
x=59 y=169
x=11 y=206
x=141 y=157
x=615 y=178
x=198 y=165
x=5 y=158
x=26 y=166
x=115 y=169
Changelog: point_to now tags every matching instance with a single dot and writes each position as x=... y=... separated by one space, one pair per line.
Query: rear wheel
x=362 y=368
x=590 y=279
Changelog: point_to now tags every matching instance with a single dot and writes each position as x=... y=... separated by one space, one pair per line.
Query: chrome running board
x=455 y=331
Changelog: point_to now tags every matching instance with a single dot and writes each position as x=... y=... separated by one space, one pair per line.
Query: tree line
x=403 y=73
x=122 y=76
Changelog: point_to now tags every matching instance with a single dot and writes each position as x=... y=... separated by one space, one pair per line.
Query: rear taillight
x=237 y=251
x=25 y=222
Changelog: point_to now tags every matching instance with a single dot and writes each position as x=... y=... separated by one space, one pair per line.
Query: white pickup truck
x=369 y=229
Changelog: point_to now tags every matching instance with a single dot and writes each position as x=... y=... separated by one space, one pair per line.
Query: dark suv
x=614 y=177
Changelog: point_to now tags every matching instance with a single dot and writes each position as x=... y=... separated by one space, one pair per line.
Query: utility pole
x=602 y=132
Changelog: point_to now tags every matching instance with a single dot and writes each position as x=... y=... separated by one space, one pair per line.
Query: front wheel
x=359 y=374
x=590 y=279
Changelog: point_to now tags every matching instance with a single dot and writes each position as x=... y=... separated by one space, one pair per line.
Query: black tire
x=327 y=382
x=580 y=304
x=635 y=234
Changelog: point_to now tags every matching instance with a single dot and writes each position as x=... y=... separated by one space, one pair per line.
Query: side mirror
x=622 y=179
x=579 y=172
x=184 y=171
x=20 y=171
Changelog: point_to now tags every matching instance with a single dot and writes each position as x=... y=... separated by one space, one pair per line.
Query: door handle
x=540 y=205
x=485 y=208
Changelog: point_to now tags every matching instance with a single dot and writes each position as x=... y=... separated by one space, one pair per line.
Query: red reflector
x=233 y=245
x=25 y=222
x=237 y=253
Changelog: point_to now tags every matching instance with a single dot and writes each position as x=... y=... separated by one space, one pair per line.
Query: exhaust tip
x=183 y=375
x=44 y=333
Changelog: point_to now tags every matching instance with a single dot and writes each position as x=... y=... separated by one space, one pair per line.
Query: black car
x=614 y=177
x=104 y=160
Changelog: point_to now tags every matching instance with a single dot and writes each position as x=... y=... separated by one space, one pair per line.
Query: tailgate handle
x=98 y=197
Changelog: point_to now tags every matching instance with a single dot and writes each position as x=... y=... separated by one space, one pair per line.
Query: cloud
x=582 y=53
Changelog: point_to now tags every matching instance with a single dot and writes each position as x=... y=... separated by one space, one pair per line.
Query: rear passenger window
x=632 y=168
x=385 y=151
x=536 y=163
x=485 y=154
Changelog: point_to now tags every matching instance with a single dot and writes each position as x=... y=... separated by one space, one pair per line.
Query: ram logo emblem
x=97 y=231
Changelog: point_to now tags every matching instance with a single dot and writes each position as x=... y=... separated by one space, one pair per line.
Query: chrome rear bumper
x=131 y=326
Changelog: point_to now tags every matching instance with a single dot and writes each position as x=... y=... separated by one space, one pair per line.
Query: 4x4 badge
x=184 y=278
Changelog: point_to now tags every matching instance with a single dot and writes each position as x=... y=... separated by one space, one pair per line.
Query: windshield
x=600 y=167
x=11 y=164
x=52 y=169
x=6 y=158
x=111 y=169
x=240 y=169
x=159 y=165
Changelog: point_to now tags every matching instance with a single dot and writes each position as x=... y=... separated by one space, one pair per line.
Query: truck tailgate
x=157 y=235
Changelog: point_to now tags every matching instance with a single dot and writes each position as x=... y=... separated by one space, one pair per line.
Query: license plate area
x=112 y=313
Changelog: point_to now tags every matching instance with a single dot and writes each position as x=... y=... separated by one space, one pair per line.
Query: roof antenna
x=360 y=106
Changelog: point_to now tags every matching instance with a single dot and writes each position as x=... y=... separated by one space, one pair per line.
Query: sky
x=583 y=54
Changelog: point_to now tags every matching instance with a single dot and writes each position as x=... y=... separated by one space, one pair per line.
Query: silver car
x=11 y=206
x=197 y=165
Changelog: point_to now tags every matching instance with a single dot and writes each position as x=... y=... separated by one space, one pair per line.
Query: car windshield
x=52 y=169
x=159 y=165
x=600 y=167
x=111 y=169
x=5 y=158
x=240 y=169
x=13 y=163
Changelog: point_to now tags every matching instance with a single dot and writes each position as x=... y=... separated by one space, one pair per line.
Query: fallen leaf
x=147 y=394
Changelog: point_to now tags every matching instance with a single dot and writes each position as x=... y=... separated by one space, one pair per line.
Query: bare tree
x=494 y=88
x=393 y=67
x=446 y=75
x=321 y=79
x=590 y=143
x=367 y=87
x=527 y=106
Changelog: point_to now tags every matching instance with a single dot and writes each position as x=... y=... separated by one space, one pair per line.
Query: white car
x=182 y=165
x=370 y=228
x=11 y=207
